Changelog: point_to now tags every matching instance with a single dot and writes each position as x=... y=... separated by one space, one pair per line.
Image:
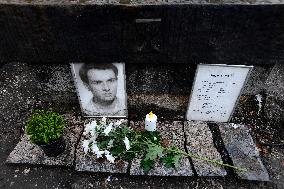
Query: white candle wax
x=150 y=122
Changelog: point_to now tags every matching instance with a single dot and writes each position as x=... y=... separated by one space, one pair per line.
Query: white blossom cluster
x=92 y=128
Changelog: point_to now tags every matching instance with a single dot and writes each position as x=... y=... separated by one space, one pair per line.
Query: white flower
x=103 y=120
x=109 y=157
x=93 y=133
x=117 y=123
x=90 y=127
x=87 y=129
x=108 y=129
x=123 y=120
x=100 y=154
x=95 y=148
x=126 y=142
x=155 y=138
x=110 y=143
x=94 y=138
x=86 y=146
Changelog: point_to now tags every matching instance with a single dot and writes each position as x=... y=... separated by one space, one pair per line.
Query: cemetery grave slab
x=89 y=163
x=243 y=152
x=172 y=134
x=199 y=140
x=27 y=153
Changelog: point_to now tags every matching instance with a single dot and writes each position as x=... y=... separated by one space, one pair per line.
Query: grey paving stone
x=199 y=140
x=27 y=153
x=183 y=170
x=88 y=162
x=243 y=151
x=172 y=133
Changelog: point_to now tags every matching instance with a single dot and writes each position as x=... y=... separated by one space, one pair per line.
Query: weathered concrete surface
x=160 y=79
x=274 y=105
x=163 y=88
x=172 y=133
x=274 y=163
x=243 y=151
x=118 y=182
x=275 y=82
x=27 y=153
x=199 y=141
x=256 y=83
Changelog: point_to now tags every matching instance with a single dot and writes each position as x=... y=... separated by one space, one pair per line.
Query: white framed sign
x=101 y=89
x=216 y=91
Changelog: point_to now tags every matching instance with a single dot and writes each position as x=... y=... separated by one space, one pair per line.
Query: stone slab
x=183 y=170
x=243 y=151
x=27 y=153
x=199 y=140
x=89 y=163
x=173 y=133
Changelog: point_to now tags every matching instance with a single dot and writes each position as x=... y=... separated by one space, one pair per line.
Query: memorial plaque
x=216 y=91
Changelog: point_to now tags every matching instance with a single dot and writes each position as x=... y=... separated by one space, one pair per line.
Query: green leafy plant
x=115 y=141
x=44 y=127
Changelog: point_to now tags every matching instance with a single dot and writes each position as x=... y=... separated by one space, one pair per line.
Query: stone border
x=243 y=151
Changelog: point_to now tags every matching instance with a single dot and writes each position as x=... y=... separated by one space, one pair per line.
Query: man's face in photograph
x=103 y=84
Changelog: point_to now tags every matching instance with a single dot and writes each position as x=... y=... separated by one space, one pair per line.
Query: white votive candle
x=150 y=122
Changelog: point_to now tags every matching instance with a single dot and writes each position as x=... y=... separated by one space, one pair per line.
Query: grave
x=191 y=136
x=169 y=49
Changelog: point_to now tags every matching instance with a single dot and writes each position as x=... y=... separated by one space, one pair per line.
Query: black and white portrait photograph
x=101 y=89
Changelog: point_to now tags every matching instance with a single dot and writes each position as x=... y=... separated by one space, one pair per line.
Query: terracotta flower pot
x=55 y=148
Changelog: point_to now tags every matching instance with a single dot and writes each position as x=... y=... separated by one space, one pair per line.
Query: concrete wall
x=48 y=32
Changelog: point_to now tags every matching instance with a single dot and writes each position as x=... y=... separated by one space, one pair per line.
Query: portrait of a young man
x=101 y=89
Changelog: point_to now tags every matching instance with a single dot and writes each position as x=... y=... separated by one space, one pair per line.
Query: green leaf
x=154 y=151
x=117 y=150
x=135 y=149
x=147 y=165
x=154 y=137
x=171 y=160
x=125 y=130
x=102 y=144
x=44 y=126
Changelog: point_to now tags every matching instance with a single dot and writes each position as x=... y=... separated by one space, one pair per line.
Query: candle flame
x=151 y=115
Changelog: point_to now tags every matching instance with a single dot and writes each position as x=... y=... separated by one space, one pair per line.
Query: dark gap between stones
x=185 y=148
x=220 y=146
x=77 y=145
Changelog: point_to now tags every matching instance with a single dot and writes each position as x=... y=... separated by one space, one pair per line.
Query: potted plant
x=45 y=128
